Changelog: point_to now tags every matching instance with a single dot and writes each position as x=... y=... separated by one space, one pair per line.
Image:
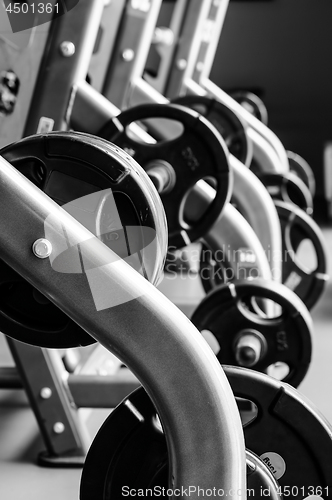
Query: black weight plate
x=68 y=166
x=302 y=169
x=289 y=426
x=198 y=153
x=228 y=124
x=296 y=227
x=228 y=312
x=214 y=269
x=129 y=449
x=129 y=452
x=290 y=188
x=252 y=103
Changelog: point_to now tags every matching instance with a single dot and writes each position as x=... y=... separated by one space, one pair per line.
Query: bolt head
x=42 y=248
x=200 y=66
x=67 y=49
x=46 y=393
x=128 y=55
x=58 y=427
x=181 y=64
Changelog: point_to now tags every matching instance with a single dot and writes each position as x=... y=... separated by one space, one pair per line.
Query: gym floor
x=22 y=479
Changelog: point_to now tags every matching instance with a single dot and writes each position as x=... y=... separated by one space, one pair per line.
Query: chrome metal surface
x=254 y=202
x=67 y=49
x=230 y=233
x=42 y=248
x=148 y=333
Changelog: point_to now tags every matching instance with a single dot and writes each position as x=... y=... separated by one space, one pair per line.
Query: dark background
x=282 y=50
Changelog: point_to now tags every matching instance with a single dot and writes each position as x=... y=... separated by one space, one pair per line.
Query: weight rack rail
x=53 y=395
x=182 y=412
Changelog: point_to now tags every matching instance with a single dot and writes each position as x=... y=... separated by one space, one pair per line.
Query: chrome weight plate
x=109 y=193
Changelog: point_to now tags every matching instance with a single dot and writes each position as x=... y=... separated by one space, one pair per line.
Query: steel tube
x=148 y=333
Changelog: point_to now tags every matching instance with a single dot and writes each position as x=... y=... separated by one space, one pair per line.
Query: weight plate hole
x=293 y=196
x=200 y=108
x=278 y=370
x=212 y=181
x=306 y=256
x=266 y=308
x=248 y=410
x=161 y=129
x=33 y=169
x=211 y=340
x=259 y=309
x=193 y=206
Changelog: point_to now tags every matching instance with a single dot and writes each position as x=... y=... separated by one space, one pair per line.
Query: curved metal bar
x=268 y=150
x=254 y=202
x=262 y=476
x=231 y=234
x=147 y=332
x=265 y=153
